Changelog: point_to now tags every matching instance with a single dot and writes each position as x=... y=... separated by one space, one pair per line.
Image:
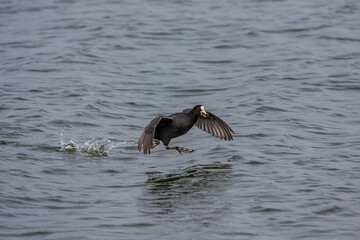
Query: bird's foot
x=181 y=149
x=155 y=143
x=184 y=150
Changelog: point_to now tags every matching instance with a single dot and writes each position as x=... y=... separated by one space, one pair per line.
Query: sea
x=80 y=80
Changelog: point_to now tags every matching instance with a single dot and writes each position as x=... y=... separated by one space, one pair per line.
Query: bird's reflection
x=195 y=192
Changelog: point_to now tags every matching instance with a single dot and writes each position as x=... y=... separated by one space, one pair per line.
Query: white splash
x=91 y=148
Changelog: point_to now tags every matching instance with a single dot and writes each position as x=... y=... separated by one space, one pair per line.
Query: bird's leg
x=180 y=149
x=155 y=143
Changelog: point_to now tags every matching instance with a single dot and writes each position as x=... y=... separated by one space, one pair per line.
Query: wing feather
x=147 y=136
x=215 y=126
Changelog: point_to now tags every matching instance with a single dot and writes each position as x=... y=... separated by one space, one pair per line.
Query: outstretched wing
x=215 y=126
x=147 y=136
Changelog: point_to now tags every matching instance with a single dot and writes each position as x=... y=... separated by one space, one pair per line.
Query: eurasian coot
x=164 y=128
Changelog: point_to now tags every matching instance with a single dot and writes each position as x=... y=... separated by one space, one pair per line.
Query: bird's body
x=164 y=128
x=179 y=125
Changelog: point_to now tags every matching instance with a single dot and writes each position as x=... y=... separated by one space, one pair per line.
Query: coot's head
x=201 y=109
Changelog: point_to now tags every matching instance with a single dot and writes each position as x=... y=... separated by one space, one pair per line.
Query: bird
x=164 y=128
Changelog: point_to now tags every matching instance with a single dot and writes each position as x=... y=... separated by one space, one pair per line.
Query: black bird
x=164 y=128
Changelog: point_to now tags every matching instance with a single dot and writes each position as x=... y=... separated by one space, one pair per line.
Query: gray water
x=81 y=79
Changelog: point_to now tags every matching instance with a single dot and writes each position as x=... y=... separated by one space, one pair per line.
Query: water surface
x=81 y=79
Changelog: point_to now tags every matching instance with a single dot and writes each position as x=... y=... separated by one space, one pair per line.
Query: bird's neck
x=194 y=115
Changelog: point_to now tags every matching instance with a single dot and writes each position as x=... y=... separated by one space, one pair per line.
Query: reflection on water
x=187 y=194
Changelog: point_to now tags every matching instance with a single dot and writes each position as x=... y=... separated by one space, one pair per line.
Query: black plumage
x=164 y=128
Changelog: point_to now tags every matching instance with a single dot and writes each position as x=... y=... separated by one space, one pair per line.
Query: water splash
x=92 y=148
